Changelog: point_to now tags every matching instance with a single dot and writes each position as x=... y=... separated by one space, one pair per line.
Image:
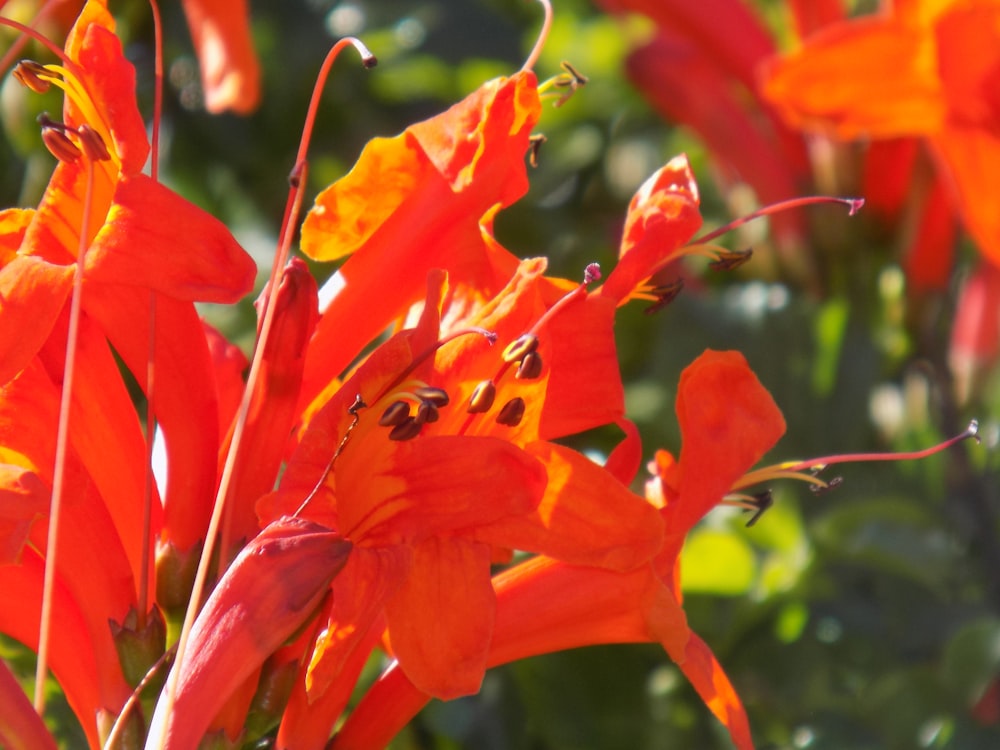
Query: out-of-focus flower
x=937 y=70
x=230 y=71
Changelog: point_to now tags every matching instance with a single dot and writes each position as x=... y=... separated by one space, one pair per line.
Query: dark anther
x=92 y=143
x=762 y=501
x=426 y=412
x=512 y=412
x=592 y=273
x=437 y=396
x=516 y=350
x=579 y=79
x=534 y=146
x=56 y=141
x=571 y=81
x=731 y=259
x=395 y=414
x=530 y=367
x=407 y=430
x=32 y=74
x=664 y=296
x=369 y=61
x=819 y=489
x=358 y=405
x=482 y=397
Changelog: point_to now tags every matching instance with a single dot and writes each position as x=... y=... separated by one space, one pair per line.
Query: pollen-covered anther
x=523 y=345
x=408 y=429
x=530 y=367
x=33 y=75
x=395 y=414
x=482 y=397
x=92 y=143
x=730 y=259
x=436 y=396
x=512 y=412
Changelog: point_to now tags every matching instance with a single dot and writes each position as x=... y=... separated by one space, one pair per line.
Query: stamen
x=395 y=414
x=819 y=489
x=430 y=351
x=972 y=431
x=512 y=412
x=519 y=348
x=407 y=430
x=806 y=471
x=530 y=367
x=730 y=259
x=571 y=80
x=591 y=273
x=664 y=295
x=92 y=143
x=427 y=413
x=534 y=146
x=853 y=205
x=60 y=146
x=758 y=503
x=33 y=75
x=61 y=460
x=355 y=411
x=536 y=51
x=436 y=396
x=482 y=397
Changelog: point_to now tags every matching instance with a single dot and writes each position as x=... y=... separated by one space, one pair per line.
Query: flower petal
x=434 y=485
x=706 y=675
x=268 y=593
x=972 y=157
x=586 y=516
x=419 y=201
x=24 y=499
x=32 y=294
x=230 y=72
x=155 y=239
x=831 y=84
x=728 y=422
x=441 y=619
x=20 y=727
x=662 y=215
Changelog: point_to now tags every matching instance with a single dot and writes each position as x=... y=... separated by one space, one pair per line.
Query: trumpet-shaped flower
x=937 y=66
x=728 y=421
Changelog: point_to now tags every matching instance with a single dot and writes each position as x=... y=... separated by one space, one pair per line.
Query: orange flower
x=936 y=65
x=728 y=421
x=137 y=242
x=141 y=238
x=433 y=457
x=230 y=72
x=429 y=504
x=698 y=71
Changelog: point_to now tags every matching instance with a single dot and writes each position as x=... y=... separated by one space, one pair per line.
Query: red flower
x=230 y=72
x=728 y=421
x=141 y=240
x=937 y=66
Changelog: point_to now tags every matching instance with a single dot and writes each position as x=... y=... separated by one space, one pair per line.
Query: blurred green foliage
x=866 y=617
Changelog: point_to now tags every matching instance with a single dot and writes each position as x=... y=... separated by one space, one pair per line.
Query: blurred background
x=864 y=617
